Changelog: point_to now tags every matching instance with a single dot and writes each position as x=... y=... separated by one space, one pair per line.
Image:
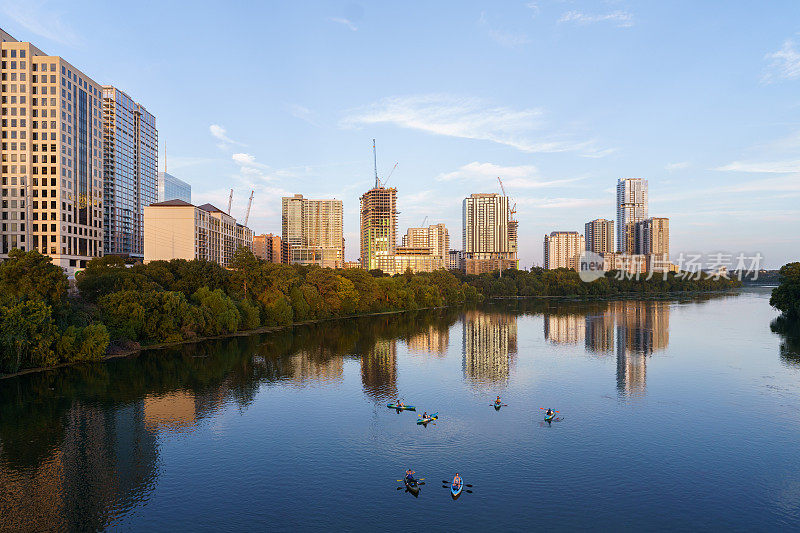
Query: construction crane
x=247 y=213
x=230 y=201
x=390 y=175
x=502 y=188
x=375 y=161
x=424 y=220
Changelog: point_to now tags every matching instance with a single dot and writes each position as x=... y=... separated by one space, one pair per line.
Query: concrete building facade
x=179 y=230
x=268 y=247
x=52 y=150
x=489 y=233
x=378 y=225
x=562 y=249
x=130 y=167
x=599 y=236
x=435 y=237
x=312 y=231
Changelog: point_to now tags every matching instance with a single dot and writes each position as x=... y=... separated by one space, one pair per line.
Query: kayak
x=549 y=418
x=411 y=486
x=455 y=490
x=401 y=407
x=434 y=416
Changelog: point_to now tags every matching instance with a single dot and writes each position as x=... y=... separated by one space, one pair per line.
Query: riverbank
x=129 y=352
x=242 y=333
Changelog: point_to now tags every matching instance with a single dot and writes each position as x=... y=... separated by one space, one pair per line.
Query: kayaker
x=457 y=480
x=498 y=400
x=410 y=475
x=549 y=412
x=398 y=403
x=425 y=415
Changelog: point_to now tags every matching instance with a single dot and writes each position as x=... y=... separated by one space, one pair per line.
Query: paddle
x=450 y=482
x=544 y=409
x=499 y=404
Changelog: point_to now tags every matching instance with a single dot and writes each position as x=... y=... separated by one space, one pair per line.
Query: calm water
x=676 y=415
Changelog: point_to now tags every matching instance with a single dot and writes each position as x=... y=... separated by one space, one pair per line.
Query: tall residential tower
x=312 y=232
x=130 y=167
x=631 y=208
x=489 y=233
x=378 y=225
x=600 y=236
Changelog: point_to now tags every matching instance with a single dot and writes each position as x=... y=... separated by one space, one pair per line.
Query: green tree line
x=120 y=306
x=786 y=299
x=564 y=282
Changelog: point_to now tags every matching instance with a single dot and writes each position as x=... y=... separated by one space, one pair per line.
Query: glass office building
x=172 y=188
x=130 y=147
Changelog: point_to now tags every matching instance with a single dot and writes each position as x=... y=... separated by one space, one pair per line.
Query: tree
x=31 y=276
x=786 y=296
x=27 y=335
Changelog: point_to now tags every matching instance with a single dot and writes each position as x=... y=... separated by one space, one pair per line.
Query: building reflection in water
x=632 y=330
x=105 y=457
x=435 y=340
x=489 y=347
x=379 y=370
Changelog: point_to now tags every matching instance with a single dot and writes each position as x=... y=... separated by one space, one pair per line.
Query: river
x=673 y=414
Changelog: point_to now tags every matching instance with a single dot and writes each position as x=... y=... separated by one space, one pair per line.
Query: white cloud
x=503 y=37
x=783 y=64
x=514 y=177
x=345 y=22
x=40 y=20
x=765 y=167
x=220 y=133
x=466 y=118
x=622 y=19
x=677 y=166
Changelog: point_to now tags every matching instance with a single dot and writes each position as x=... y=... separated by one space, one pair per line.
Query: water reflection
x=632 y=330
x=489 y=347
x=79 y=446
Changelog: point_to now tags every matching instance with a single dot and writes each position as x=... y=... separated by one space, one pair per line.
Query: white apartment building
x=179 y=230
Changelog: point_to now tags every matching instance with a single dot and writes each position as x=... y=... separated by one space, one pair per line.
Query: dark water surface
x=679 y=415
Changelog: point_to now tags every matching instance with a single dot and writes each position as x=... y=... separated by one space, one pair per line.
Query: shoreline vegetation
x=121 y=309
x=786 y=299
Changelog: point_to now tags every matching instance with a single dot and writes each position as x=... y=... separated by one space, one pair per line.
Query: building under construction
x=378 y=225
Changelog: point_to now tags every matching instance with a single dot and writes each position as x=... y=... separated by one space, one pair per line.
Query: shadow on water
x=790 y=340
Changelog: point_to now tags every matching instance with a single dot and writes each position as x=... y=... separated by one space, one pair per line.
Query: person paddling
x=549 y=412
x=456 y=481
x=399 y=404
x=497 y=401
x=410 y=475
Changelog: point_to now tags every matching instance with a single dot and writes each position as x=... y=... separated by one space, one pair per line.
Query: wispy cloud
x=41 y=20
x=514 y=177
x=221 y=134
x=621 y=19
x=345 y=22
x=503 y=37
x=466 y=118
x=763 y=167
x=680 y=165
x=303 y=113
x=783 y=64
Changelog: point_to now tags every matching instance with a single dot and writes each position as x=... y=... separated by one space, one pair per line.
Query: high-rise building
x=312 y=232
x=562 y=249
x=378 y=225
x=631 y=208
x=172 y=188
x=130 y=167
x=434 y=237
x=268 y=247
x=456 y=258
x=600 y=236
x=52 y=147
x=179 y=230
x=653 y=236
x=489 y=233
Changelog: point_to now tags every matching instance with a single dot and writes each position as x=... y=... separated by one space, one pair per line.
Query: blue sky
x=559 y=98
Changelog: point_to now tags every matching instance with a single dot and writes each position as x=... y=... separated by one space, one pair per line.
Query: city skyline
x=455 y=130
